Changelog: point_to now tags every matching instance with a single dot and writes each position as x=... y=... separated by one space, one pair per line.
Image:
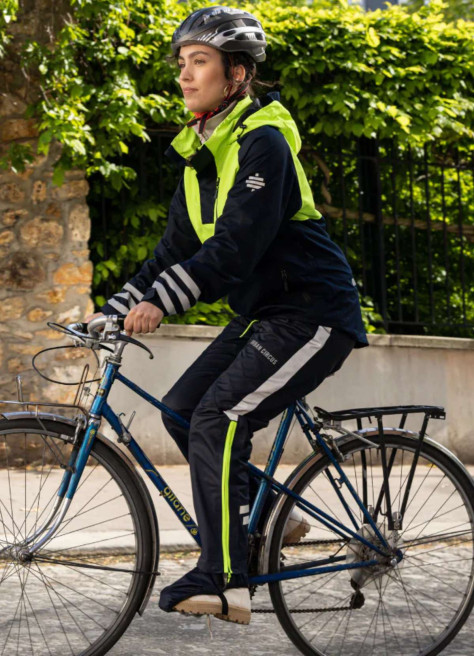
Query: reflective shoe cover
x=202 y=593
x=296 y=527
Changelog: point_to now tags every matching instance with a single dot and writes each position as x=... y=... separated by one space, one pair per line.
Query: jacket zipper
x=284 y=276
x=215 y=199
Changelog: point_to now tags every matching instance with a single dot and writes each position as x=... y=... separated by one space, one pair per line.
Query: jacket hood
x=274 y=114
x=246 y=116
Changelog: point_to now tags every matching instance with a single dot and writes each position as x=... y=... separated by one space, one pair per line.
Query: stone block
x=18 y=128
x=81 y=255
x=54 y=210
x=42 y=232
x=21 y=271
x=38 y=314
x=11 y=193
x=89 y=308
x=25 y=349
x=16 y=365
x=70 y=274
x=53 y=296
x=10 y=217
x=71 y=189
x=50 y=334
x=6 y=237
x=66 y=355
x=79 y=223
x=1 y=354
x=10 y=104
x=39 y=193
x=23 y=335
x=12 y=308
x=70 y=315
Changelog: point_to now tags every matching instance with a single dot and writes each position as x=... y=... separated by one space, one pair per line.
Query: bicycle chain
x=328 y=609
x=313 y=542
x=304 y=610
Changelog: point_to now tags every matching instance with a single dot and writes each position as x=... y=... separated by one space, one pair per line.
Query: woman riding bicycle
x=242 y=223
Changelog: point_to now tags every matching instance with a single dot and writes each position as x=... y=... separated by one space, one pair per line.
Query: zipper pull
x=284 y=276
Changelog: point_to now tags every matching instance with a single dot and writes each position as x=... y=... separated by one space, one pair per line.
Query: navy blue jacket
x=266 y=263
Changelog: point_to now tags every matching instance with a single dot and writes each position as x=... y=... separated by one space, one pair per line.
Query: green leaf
x=58 y=175
x=372 y=38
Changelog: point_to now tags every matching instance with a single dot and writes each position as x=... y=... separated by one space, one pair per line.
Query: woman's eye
x=199 y=61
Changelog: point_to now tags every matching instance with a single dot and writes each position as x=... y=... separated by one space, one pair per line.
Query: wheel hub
x=375 y=575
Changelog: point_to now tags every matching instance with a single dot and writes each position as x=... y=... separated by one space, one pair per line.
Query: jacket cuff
x=152 y=297
x=114 y=307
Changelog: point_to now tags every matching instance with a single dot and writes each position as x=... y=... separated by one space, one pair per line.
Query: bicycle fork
x=73 y=471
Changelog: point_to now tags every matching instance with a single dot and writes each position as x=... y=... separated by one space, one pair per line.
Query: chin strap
x=203 y=117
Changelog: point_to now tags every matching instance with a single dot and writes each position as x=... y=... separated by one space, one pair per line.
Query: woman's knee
x=173 y=422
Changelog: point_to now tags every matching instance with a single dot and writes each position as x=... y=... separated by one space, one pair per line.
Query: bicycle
x=388 y=565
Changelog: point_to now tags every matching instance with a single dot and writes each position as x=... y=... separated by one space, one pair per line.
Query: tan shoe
x=296 y=527
x=238 y=601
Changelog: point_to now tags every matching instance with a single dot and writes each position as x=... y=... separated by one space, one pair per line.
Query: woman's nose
x=185 y=73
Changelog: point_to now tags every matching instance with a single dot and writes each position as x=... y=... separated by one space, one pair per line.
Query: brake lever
x=125 y=338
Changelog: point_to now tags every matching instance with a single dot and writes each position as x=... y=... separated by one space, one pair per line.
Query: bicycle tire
x=66 y=601
x=416 y=607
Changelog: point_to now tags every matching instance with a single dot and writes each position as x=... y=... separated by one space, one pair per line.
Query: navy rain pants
x=246 y=376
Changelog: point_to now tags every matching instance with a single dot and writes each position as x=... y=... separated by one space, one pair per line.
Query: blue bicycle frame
x=100 y=408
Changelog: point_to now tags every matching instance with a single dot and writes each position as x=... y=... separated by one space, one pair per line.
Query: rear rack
x=430 y=411
x=33 y=408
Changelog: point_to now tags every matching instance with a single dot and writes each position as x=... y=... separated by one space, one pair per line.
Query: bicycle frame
x=100 y=408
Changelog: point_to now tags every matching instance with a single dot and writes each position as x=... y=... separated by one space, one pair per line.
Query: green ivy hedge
x=107 y=84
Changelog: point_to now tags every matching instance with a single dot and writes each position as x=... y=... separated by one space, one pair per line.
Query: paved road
x=174 y=635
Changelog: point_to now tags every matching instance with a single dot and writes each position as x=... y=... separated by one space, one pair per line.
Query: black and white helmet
x=224 y=28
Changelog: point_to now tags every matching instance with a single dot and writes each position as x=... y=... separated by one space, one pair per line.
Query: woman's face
x=202 y=77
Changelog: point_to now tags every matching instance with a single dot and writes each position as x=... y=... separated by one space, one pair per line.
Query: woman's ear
x=238 y=73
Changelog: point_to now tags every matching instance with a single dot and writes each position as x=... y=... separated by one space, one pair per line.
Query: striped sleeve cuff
x=125 y=300
x=174 y=291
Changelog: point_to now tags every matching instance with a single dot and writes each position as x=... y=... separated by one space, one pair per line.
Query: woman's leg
x=282 y=361
x=189 y=389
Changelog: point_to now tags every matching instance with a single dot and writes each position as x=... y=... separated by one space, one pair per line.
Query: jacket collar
x=187 y=142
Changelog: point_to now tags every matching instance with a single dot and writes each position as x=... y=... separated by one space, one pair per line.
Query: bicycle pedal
x=357 y=600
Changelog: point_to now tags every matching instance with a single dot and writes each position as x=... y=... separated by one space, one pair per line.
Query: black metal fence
x=404 y=218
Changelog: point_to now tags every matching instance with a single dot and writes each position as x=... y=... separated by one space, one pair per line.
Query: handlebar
x=100 y=331
x=95 y=327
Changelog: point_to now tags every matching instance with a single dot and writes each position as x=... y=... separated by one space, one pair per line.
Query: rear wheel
x=78 y=594
x=414 y=607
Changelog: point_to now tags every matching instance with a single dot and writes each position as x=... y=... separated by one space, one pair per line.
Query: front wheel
x=413 y=607
x=78 y=594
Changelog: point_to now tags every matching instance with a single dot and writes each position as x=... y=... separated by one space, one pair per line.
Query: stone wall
x=45 y=272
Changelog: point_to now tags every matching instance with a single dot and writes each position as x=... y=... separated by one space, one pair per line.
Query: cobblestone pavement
x=176 y=635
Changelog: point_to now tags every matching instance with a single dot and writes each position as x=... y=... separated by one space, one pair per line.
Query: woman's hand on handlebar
x=143 y=318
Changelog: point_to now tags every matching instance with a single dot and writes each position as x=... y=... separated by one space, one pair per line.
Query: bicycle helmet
x=223 y=28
